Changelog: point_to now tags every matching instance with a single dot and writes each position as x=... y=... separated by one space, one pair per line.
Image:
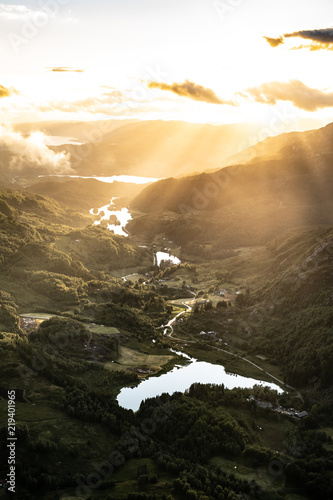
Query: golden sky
x=195 y=60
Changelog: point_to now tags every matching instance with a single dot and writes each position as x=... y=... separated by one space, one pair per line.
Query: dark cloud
x=324 y=36
x=296 y=92
x=320 y=39
x=64 y=69
x=5 y=92
x=191 y=90
x=274 y=42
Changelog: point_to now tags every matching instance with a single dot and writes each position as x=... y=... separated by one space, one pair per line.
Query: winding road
x=261 y=369
x=170 y=323
x=189 y=308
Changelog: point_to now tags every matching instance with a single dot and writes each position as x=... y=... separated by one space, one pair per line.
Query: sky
x=194 y=60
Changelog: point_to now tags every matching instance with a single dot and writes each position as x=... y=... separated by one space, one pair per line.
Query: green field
x=130 y=358
x=105 y=330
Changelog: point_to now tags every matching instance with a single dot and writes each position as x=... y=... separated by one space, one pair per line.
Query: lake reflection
x=180 y=379
x=164 y=256
x=122 y=216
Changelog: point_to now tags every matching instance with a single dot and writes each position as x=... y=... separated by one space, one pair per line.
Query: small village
x=289 y=412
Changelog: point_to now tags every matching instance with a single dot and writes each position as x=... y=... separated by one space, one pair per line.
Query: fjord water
x=127 y=179
x=181 y=378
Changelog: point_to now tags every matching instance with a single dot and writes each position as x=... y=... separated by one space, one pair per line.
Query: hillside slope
x=158 y=149
x=264 y=197
x=315 y=141
x=83 y=194
x=48 y=252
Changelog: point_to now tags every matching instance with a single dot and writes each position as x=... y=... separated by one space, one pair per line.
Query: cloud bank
x=13 y=12
x=32 y=152
x=107 y=103
x=65 y=69
x=296 y=92
x=191 y=90
x=321 y=39
x=5 y=92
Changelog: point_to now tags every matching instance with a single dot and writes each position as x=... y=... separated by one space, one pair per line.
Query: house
x=301 y=414
x=208 y=334
x=202 y=301
x=264 y=404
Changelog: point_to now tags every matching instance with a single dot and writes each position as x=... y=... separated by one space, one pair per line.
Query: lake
x=129 y=179
x=181 y=378
x=58 y=140
x=123 y=217
x=164 y=256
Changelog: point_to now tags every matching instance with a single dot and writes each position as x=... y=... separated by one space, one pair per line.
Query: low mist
x=31 y=152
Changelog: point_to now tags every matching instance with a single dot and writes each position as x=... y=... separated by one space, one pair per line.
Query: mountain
x=80 y=131
x=158 y=149
x=253 y=201
x=83 y=194
x=316 y=141
x=298 y=305
x=48 y=251
x=154 y=148
x=285 y=309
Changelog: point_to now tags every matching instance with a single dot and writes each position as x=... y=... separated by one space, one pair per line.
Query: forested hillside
x=85 y=313
x=83 y=194
x=44 y=254
x=245 y=204
x=285 y=310
x=157 y=148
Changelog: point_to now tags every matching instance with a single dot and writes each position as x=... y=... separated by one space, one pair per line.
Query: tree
x=191 y=495
x=143 y=481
